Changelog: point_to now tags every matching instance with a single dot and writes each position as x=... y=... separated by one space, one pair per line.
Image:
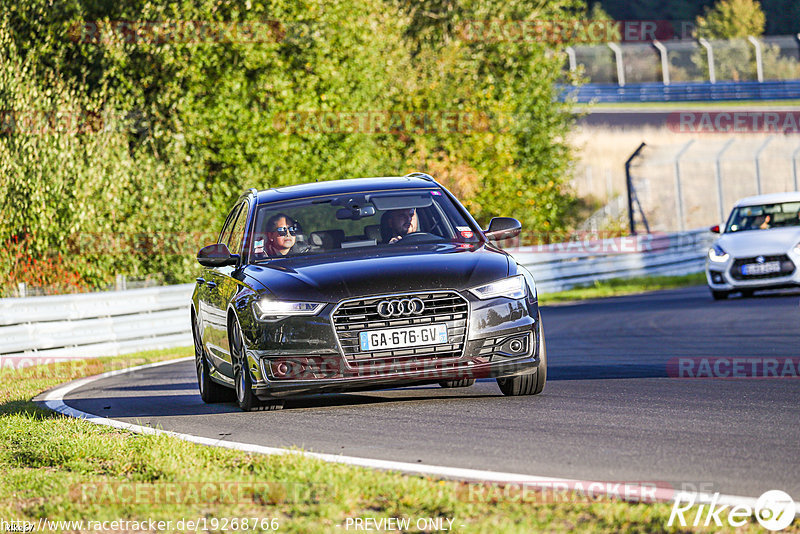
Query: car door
x=225 y=286
x=211 y=311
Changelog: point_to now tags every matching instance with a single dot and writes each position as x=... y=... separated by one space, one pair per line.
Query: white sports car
x=759 y=247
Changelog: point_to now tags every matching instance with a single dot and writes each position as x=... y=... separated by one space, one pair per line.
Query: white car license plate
x=408 y=336
x=761 y=268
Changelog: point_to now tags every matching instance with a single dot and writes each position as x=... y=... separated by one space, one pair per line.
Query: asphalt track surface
x=610 y=410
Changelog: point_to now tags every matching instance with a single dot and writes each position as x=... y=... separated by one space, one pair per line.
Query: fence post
x=794 y=167
x=629 y=186
x=662 y=50
x=678 y=190
x=712 y=76
x=573 y=64
x=758 y=166
x=620 y=65
x=22 y=289
x=759 y=61
x=718 y=168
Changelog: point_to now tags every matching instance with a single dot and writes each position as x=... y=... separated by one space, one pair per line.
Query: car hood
x=346 y=274
x=759 y=242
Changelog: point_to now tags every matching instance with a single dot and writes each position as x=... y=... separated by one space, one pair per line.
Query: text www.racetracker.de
x=199 y=524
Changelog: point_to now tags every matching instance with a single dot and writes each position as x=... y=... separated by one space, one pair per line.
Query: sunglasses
x=283 y=230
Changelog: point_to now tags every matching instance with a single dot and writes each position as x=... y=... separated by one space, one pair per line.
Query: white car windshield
x=376 y=220
x=764 y=217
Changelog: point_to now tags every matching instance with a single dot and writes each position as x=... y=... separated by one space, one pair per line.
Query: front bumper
x=503 y=339
x=726 y=276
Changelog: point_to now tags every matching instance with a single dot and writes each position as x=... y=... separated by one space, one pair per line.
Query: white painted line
x=54 y=400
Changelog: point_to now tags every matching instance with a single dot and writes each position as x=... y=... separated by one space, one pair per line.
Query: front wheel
x=245 y=397
x=719 y=295
x=529 y=384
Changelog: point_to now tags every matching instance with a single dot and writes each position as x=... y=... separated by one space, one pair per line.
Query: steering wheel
x=414 y=237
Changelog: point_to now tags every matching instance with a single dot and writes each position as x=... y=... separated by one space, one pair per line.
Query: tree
x=730 y=19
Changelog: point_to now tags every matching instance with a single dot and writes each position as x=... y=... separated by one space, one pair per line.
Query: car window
x=380 y=221
x=764 y=217
x=225 y=234
x=237 y=233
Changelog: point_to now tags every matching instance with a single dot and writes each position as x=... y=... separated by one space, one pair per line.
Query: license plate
x=408 y=336
x=761 y=268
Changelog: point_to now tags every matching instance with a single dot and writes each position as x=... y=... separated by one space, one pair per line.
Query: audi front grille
x=438 y=307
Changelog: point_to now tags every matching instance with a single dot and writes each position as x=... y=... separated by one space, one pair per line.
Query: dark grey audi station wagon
x=358 y=284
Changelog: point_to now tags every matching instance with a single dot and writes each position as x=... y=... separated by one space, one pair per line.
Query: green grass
x=67 y=469
x=622 y=286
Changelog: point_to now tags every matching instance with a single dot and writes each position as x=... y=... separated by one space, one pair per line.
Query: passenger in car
x=397 y=223
x=281 y=231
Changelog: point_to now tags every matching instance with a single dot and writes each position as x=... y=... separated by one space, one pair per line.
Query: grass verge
x=623 y=286
x=66 y=469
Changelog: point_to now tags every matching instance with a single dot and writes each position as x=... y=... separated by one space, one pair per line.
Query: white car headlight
x=513 y=288
x=269 y=310
x=716 y=254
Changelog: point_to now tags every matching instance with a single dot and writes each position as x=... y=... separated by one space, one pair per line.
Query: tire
x=719 y=295
x=528 y=384
x=463 y=383
x=245 y=397
x=210 y=391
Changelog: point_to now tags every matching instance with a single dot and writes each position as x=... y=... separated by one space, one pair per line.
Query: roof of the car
x=771 y=198
x=352 y=185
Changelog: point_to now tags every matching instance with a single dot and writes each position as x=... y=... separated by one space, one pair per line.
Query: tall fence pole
x=712 y=76
x=678 y=190
x=573 y=64
x=662 y=50
x=758 y=165
x=759 y=60
x=629 y=186
x=718 y=168
x=794 y=164
x=620 y=64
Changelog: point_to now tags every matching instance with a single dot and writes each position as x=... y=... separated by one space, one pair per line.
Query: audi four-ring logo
x=397 y=308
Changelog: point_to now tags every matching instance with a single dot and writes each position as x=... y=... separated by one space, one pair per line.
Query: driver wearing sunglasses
x=281 y=231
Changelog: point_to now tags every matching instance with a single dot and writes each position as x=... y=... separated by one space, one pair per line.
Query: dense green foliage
x=730 y=19
x=122 y=149
x=782 y=16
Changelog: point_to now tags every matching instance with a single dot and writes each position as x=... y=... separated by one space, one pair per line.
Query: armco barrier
x=96 y=324
x=565 y=265
x=118 y=322
x=682 y=91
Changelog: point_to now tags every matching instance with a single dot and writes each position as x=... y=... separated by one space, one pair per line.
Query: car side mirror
x=216 y=255
x=714 y=229
x=503 y=228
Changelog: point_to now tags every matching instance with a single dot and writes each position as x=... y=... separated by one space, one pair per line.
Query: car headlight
x=269 y=310
x=716 y=254
x=513 y=288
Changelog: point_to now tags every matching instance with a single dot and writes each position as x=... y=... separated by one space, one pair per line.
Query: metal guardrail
x=562 y=266
x=119 y=322
x=96 y=324
x=682 y=92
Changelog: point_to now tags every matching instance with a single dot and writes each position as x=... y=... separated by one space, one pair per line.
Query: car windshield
x=381 y=220
x=764 y=217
